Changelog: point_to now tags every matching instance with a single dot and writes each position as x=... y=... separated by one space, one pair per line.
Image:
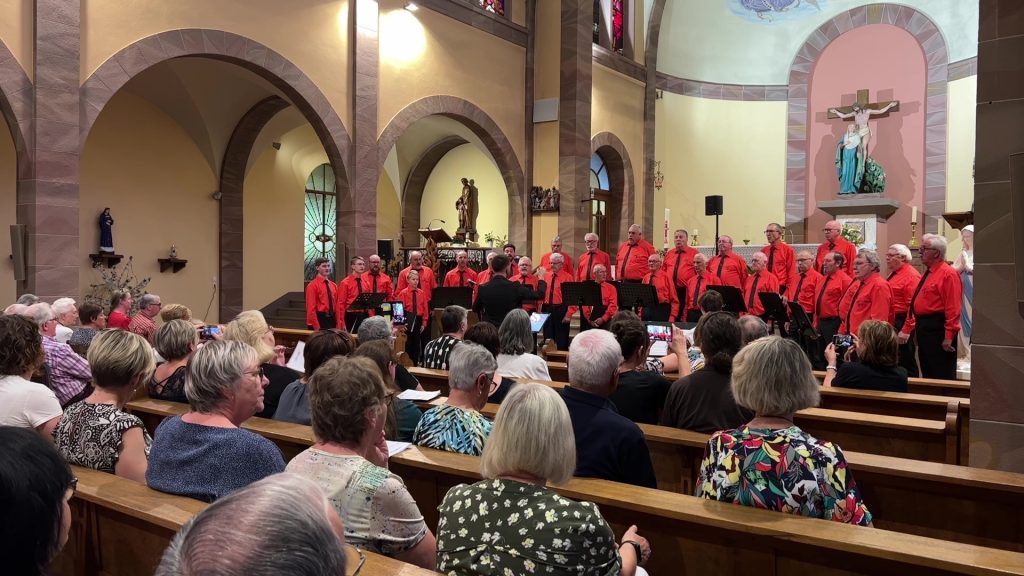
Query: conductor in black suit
x=499 y=296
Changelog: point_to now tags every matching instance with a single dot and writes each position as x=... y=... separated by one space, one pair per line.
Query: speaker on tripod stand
x=713 y=206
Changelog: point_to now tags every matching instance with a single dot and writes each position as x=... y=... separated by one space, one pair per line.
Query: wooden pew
x=944 y=501
x=953 y=388
x=121 y=527
x=695 y=536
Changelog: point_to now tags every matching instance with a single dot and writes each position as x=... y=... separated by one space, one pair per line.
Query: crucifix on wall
x=856 y=171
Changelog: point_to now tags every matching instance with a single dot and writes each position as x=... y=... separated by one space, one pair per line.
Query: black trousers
x=326 y=320
x=554 y=328
x=415 y=340
x=827 y=329
x=908 y=351
x=935 y=362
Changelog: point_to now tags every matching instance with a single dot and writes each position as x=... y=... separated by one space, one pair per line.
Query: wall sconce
x=659 y=178
x=276 y=145
x=659 y=94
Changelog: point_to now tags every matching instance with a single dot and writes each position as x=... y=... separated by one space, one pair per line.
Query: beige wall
x=427 y=53
x=962 y=106
x=736 y=149
x=8 y=213
x=143 y=166
x=274 y=236
x=16 y=31
x=618 y=107
x=443 y=188
x=312 y=35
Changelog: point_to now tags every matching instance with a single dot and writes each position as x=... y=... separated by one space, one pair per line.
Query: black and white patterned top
x=437 y=351
x=91 y=435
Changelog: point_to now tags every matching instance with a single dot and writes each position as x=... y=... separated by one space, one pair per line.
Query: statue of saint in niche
x=466 y=205
x=106 y=231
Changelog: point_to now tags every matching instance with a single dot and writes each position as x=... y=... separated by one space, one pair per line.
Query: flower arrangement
x=852 y=235
x=495 y=239
x=114 y=279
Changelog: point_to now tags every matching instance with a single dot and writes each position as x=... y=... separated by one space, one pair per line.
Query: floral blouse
x=91 y=435
x=786 y=470
x=503 y=527
x=451 y=428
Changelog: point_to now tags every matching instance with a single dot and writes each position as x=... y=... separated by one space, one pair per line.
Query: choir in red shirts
x=587 y=261
x=804 y=290
x=317 y=300
x=842 y=246
x=730 y=269
x=679 y=264
x=532 y=281
x=419 y=308
x=903 y=283
x=609 y=298
x=379 y=283
x=427 y=280
x=545 y=261
x=553 y=295
x=781 y=262
x=666 y=290
x=631 y=261
x=696 y=286
x=456 y=278
x=758 y=282
x=940 y=294
x=349 y=288
x=830 y=291
x=867 y=300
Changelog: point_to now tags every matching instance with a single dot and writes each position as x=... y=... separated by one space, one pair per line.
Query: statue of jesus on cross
x=852 y=160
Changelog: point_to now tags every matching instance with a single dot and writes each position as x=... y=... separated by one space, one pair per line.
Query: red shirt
x=482 y=278
x=830 y=291
x=553 y=295
x=545 y=261
x=348 y=289
x=679 y=264
x=782 y=263
x=842 y=246
x=697 y=286
x=533 y=282
x=940 y=294
x=422 y=307
x=635 y=267
x=666 y=289
x=316 y=301
x=585 y=265
x=427 y=280
x=730 y=269
x=456 y=278
x=868 y=300
x=609 y=298
x=903 y=283
x=378 y=283
x=808 y=290
x=766 y=282
x=117 y=319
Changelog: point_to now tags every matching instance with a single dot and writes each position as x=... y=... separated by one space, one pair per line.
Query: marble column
x=997 y=396
x=574 y=109
x=353 y=211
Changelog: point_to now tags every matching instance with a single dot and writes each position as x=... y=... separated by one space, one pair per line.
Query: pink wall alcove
x=889 y=63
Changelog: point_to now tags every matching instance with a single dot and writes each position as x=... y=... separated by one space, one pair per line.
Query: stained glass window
x=618 y=24
x=321 y=218
x=496 y=6
x=598 y=173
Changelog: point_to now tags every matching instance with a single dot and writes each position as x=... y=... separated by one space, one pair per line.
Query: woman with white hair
x=97 y=432
x=204 y=453
x=964 y=265
x=252 y=328
x=457 y=425
x=511 y=522
x=769 y=462
x=515 y=359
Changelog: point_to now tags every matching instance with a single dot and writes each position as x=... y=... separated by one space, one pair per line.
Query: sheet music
x=297 y=361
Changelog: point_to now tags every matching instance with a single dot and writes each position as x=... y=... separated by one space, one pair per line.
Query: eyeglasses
x=804 y=259
x=772 y=232
x=256 y=372
x=924 y=249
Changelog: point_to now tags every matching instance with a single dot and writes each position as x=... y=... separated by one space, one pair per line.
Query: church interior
x=234 y=143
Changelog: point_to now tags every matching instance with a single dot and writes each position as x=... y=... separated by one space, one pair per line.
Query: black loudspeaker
x=713 y=206
x=18 y=251
x=386 y=250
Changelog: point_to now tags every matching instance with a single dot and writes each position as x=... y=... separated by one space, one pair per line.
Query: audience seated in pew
x=349 y=462
x=175 y=341
x=35 y=486
x=68 y=372
x=454 y=323
x=640 y=394
x=677 y=348
x=872 y=363
x=203 y=453
x=752 y=328
x=24 y=403
x=486 y=334
x=770 y=463
x=379 y=328
x=321 y=346
x=515 y=359
x=252 y=328
x=278 y=526
x=608 y=445
x=457 y=425
x=402 y=415
x=510 y=522
x=703 y=401
x=91 y=319
x=97 y=432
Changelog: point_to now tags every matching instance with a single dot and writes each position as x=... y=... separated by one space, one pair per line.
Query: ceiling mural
x=755 y=41
x=773 y=11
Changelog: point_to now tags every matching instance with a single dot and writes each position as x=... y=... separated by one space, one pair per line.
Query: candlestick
x=913 y=236
x=913 y=215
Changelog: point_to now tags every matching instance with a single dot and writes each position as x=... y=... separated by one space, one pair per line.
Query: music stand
x=732 y=297
x=581 y=293
x=803 y=322
x=636 y=296
x=773 y=307
x=452 y=296
x=363 y=302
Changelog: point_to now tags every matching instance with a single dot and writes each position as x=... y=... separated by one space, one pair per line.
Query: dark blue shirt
x=206 y=462
x=608 y=445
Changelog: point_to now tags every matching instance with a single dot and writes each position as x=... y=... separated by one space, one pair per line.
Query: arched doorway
x=611 y=152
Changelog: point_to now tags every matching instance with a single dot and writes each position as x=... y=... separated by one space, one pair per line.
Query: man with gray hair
x=299 y=534
x=608 y=445
x=903 y=279
x=631 y=261
x=752 y=328
x=142 y=323
x=67 y=316
x=869 y=297
x=592 y=257
x=454 y=323
x=69 y=374
x=27 y=299
x=556 y=248
x=935 y=311
x=558 y=275
x=457 y=425
x=379 y=328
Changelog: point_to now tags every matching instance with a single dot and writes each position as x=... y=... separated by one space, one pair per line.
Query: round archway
x=620 y=203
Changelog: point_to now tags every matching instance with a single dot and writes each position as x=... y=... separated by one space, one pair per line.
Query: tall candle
x=913 y=215
x=667 y=212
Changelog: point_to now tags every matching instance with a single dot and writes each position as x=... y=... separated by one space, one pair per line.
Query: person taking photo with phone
x=871 y=363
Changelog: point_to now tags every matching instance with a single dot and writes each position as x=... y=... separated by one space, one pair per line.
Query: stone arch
x=932 y=43
x=416 y=181
x=493 y=138
x=620 y=178
x=16 y=106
